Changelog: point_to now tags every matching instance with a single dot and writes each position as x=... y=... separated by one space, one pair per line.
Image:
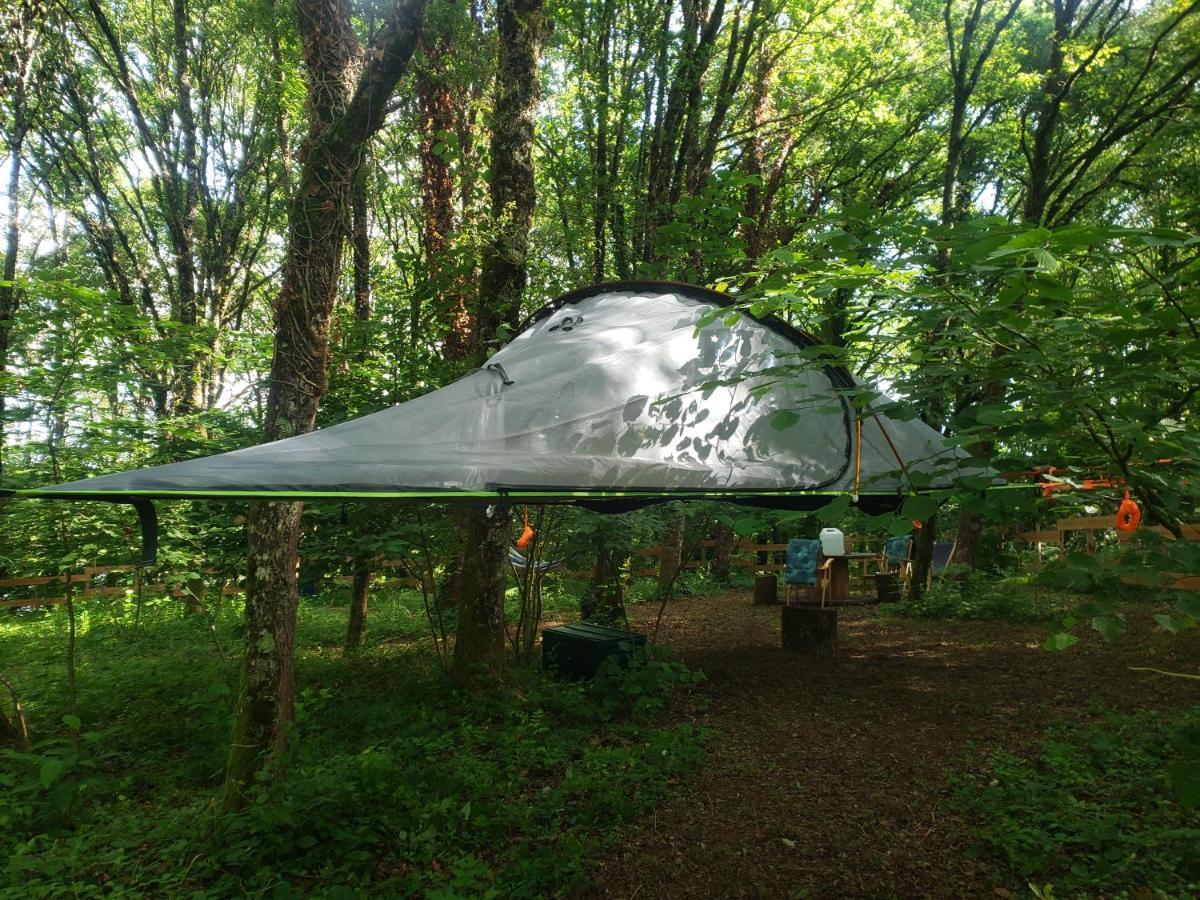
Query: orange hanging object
x=527 y=535
x=1129 y=517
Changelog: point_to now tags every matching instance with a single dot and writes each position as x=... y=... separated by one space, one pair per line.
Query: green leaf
x=993 y=415
x=1031 y=238
x=1109 y=627
x=1184 y=776
x=900 y=527
x=784 y=418
x=52 y=770
x=919 y=507
x=1060 y=641
x=1171 y=624
x=1189 y=606
x=73 y=722
x=834 y=510
x=746 y=526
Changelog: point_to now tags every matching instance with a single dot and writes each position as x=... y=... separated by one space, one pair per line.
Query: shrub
x=960 y=594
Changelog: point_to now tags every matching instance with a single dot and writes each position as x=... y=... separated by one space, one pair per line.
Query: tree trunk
x=360 y=591
x=479 y=638
x=479 y=646
x=346 y=104
x=9 y=296
x=360 y=240
x=724 y=541
x=193 y=597
x=14 y=731
x=513 y=196
x=671 y=558
x=439 y=118
x=604 y=603
x=922 y=562
x=266 y=699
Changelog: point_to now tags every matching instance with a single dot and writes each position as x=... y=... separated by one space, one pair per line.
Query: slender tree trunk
x=360 y=241
x=671 y=558
x=360 y=591
x=16 y=729
x=754 y=210
x=183 y=191
x=967 y=58
x=9 y=296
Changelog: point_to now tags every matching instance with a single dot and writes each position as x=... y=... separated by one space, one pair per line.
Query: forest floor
x=830 y=777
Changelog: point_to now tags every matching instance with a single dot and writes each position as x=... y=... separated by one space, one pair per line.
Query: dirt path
x=827 y=777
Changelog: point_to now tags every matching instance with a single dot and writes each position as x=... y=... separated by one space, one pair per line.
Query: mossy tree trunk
x=348 y=93
x=479 y=637
x=479 y=645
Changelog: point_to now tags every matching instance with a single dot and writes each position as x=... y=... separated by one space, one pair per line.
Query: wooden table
x=839 y=573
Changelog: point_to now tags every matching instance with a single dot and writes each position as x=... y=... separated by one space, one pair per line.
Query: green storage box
x=578 y=650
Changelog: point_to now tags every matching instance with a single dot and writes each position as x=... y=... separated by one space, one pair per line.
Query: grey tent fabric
x=613 y=391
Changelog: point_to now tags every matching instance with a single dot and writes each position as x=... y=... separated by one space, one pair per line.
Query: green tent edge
x=521 y=495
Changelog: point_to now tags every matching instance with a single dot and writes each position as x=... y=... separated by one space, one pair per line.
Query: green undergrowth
x=398 y=784
x=1099 y=809
x=984 y=596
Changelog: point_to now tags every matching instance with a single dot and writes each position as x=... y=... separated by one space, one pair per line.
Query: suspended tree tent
x=612 y=397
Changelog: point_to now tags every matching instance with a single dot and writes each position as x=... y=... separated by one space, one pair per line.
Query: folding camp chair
x=943 y=552
x=804 y=569
x=896 y=557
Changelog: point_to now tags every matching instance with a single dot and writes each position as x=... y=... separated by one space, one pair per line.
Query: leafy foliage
x=1089 y=811
x=398 y=784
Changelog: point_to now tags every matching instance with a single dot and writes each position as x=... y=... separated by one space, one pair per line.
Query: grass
x=397 y=784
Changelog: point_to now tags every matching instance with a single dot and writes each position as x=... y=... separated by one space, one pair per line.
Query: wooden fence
x=99 y=581
x=1089 y=525
x=95 y=581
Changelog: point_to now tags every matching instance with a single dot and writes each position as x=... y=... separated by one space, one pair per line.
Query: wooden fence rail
x=1089 y=525
x=92 y=581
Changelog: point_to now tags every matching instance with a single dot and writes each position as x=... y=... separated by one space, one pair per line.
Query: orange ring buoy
x=1129 y=517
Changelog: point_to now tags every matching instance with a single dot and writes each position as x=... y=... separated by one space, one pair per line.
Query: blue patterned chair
x=897 y=556
x=805 y=569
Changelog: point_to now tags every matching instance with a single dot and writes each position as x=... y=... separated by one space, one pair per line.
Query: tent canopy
x=619 y=394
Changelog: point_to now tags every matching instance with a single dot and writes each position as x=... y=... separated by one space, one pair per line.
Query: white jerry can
x=833 y=542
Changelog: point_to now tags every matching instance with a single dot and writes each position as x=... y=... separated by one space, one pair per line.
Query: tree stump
x=812 y=631
x=766 y=590
x=887 y=587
